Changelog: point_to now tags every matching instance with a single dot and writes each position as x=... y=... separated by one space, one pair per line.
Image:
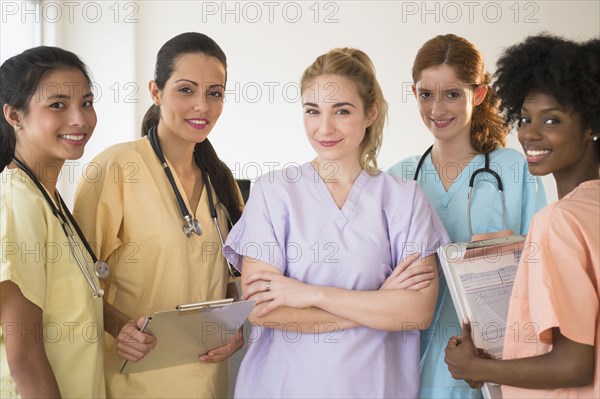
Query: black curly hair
x=567 y=70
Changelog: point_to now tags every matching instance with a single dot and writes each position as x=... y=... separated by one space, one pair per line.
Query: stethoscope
x=485 y=169
x=191 y=225
x=101 y=269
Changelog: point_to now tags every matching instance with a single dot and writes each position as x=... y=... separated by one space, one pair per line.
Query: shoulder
x=19 y=194
x=123 y=152
x=395 y=189
x=508 y=157
x=405 y=168
x=288 y=178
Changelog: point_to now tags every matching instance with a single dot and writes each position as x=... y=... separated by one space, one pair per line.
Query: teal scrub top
x=523 y=196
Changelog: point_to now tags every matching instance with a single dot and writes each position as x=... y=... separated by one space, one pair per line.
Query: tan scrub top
x=127 y=209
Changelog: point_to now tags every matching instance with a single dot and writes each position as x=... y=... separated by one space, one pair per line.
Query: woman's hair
x=488 y=128
x=566 y=70
x=166 y=60
x=20 y=77
x=357 y=67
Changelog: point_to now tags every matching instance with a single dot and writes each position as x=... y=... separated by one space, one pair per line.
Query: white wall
x=268 y=44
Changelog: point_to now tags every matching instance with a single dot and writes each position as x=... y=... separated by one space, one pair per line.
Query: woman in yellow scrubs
x=131 y=213
x=50 y=308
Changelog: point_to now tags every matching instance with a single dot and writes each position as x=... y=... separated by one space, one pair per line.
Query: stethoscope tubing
x=485 y=169
x=66 y=224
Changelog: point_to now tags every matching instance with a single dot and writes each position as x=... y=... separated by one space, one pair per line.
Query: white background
x=268 y=44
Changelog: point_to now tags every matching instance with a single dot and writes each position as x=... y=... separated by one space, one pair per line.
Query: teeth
x=73 y=137
x=533 y=153
x=197 y=122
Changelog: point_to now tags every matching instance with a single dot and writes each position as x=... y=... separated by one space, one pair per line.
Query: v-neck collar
x=340 y=216
x=462 y=179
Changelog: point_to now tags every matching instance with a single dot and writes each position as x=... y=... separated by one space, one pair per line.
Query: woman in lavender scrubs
x=326 y=251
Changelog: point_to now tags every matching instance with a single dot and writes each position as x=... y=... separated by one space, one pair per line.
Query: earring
x=17 y=127
x=595 y=138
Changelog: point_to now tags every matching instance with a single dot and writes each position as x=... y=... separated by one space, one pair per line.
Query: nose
x=326 y=125
x=528 y=133
x=201 y=105
x=77 y=117
x=438 y=107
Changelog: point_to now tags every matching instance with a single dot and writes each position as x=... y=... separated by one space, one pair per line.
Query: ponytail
x=488 y=127
x=150 y=119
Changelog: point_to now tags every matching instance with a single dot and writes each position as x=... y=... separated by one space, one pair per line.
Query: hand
x=132 y=344
x=226 y=351
x=461 y=354
x=409 y=276
x=275 y=290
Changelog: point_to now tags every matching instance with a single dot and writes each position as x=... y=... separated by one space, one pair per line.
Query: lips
x=536 y=155
x=73 y=138
x=197 y=123
x=441 y=123
x=329 y=143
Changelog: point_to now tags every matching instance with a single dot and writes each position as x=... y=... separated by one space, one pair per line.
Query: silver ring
x=268 y=285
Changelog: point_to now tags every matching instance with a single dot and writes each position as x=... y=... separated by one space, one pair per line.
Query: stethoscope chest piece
x=191 y=226
x=101 y=269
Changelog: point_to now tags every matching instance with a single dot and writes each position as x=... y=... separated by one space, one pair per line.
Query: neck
x=180 y=153
x=452 y=151
x=45 y=170
x=565 y=182
x=341 y=171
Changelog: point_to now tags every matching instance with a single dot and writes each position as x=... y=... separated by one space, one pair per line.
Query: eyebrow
x=196 y=83
x=523 y=108
x=66 y=97
x=336 y=105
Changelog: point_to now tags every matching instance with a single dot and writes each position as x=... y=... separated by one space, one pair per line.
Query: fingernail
x=466 y=320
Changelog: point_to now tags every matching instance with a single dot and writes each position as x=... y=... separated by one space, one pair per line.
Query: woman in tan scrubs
x=132 y=215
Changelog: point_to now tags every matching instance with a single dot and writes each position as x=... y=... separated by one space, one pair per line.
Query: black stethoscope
x=191 y=225
x=101 y=269
x=485 y=169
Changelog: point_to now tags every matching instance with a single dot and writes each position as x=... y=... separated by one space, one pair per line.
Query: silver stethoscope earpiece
x=485 y=169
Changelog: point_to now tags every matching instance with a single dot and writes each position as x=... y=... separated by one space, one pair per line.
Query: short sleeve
x=254 y=234
x=98 y=206
x=416 y=229
x=534 y=198
x=561 y=292
x=23 y=233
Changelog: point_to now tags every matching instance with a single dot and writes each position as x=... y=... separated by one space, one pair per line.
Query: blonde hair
x=356 y=66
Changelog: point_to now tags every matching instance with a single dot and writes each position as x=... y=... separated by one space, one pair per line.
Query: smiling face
x=554 y=139
x=60 y=119
x=192 y=98
x=334 y=118
x=446 y=103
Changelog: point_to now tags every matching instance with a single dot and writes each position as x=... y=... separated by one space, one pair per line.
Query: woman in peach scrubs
x=550 y=87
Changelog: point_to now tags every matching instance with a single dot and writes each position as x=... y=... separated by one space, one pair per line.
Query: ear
x=12 y=116
x=479 y=94
x=414 y=89
x=154 y=92
x=373 y=113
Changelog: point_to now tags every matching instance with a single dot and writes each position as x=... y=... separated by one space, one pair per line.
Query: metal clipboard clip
x=200 y=307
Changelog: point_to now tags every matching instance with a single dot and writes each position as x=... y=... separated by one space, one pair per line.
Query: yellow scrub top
x=127 y=208
x=35 y=256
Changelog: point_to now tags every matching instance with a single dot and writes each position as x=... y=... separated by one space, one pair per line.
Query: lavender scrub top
x=292 y=222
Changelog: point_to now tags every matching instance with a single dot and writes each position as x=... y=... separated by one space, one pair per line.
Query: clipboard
x=480 y=276
x=189 y=331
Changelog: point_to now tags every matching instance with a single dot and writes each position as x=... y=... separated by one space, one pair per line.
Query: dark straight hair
x=20 y=77
x=220 y=175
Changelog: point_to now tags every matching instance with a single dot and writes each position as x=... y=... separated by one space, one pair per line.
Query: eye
x=88 y=104
x=57 y=105
x=185 y=90
x=311 y=111
x=215 y=93
x=425 y=95
x=551 y=121
x=454 y=95
x=342 y=111
x=523 y=120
